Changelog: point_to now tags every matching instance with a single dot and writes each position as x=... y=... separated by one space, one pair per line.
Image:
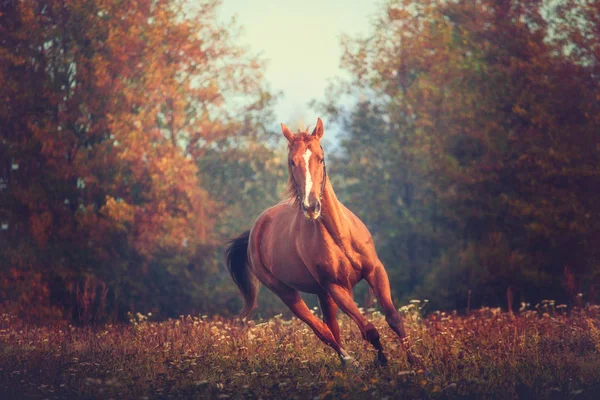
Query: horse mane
x=301 y=136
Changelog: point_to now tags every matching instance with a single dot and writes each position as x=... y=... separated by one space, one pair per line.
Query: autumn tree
x=105 y=112
x=495 y=118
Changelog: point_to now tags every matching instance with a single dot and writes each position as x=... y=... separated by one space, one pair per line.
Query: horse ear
x=319 y=130
x=287 y=133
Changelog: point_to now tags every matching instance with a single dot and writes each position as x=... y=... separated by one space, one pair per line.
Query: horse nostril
x=312 y=210
x=314 y=207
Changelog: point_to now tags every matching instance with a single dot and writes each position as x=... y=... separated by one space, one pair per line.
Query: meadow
x=545 y=352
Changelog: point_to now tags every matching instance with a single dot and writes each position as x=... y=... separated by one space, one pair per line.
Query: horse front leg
x=329 y=310
x=343 y=298
x=379 y=282
x=292 y=299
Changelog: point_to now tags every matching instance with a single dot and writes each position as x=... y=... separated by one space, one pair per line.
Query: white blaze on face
x=308 y=180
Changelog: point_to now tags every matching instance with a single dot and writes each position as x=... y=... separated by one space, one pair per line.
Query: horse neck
x=332 y=214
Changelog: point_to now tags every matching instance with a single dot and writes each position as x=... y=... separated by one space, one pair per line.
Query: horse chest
x=331 y=259
x=287 y=265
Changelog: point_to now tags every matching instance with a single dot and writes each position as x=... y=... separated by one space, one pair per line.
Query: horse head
x=306 y=166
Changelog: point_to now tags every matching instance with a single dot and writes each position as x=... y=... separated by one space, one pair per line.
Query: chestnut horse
x=311 y=243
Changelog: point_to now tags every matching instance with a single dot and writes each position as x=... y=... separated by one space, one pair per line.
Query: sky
x=300 y=39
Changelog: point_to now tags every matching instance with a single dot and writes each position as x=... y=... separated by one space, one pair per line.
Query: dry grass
x=488 y=354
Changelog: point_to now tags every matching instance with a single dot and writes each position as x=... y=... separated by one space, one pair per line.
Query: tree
x=498 y=120
x=105 y=111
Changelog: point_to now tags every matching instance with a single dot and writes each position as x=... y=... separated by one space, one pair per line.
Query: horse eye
x=321 y=160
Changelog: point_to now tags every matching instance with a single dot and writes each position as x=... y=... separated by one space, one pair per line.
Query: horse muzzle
x=313 y=211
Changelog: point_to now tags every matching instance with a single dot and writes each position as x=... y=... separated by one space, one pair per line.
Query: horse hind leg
x=379 y=282
x=292 y=299
x=343 y=298
x=329 y=309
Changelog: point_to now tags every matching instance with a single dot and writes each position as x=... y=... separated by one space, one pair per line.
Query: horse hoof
x=381 y=360
x=350 y=361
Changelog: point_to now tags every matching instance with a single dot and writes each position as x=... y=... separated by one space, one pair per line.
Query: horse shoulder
x=362 y=242
x=358 y=228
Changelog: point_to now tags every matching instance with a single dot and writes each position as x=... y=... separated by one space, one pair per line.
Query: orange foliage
x=107 y=110
x=493 y=109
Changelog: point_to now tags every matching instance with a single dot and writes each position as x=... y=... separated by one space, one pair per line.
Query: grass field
x=547 y=352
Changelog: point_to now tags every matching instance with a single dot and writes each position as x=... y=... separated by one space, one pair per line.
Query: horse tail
x=236 y=256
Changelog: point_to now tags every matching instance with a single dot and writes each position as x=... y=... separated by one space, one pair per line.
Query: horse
x=312 y=243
